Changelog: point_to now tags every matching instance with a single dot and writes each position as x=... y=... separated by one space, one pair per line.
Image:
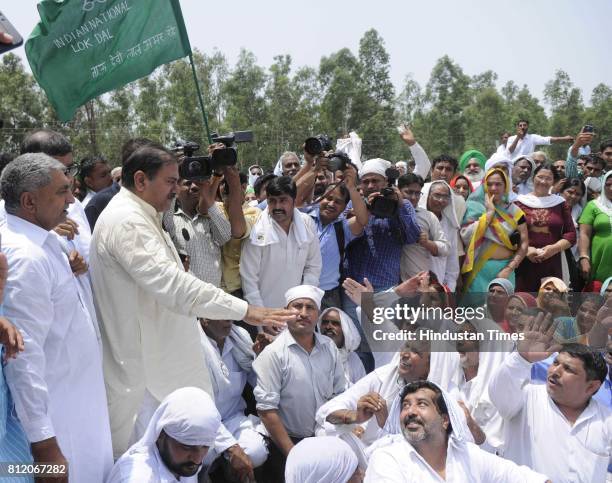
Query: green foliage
x=283 y=105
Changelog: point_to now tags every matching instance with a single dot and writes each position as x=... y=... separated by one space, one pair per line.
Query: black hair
x=87 y=165
x=573 y=183
x=438 y=401
x=594 y=363
x=133 y=144
x=597 y=160
x=549 y=167
x=147 y=159
x=447 y=158
x=604 y=145
x=522 y=120
x=408 y=179
x=46 y=141
x=344 y=192
x=282 y=185
x=261 y=181
x=244 y=179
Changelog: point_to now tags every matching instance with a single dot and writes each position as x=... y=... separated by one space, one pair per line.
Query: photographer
x=334 y=227
x=198 y=226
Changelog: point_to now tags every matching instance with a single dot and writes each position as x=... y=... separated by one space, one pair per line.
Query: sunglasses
x=72 y=170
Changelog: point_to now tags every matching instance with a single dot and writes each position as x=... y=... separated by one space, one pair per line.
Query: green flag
x=84 y=48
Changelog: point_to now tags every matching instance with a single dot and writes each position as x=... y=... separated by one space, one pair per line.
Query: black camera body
x=197 y=168
x=338 y=161
x=317 y=144
x=385 y=204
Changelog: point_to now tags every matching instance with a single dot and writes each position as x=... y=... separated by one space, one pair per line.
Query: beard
x=414 y=436
x=475 y=177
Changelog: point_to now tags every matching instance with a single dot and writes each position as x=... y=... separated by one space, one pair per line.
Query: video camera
x=385 y=204
x=338 y=161
x=196 y=168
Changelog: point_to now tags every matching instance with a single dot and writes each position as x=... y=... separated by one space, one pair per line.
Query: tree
x=22 y=104
x=484 y=120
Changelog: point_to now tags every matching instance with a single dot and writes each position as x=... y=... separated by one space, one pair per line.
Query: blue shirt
x=14 y=446
x=376 y=253
x=330 y=252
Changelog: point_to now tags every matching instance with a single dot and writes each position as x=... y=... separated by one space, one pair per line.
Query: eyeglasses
x=441 y=197
x=72 y=170
x=413 y=193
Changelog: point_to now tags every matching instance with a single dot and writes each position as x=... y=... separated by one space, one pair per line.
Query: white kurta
x=527 y=145
x=57 y=382
x=273 y=261
x=147 y=307
x=539 y=436
x=465 y=462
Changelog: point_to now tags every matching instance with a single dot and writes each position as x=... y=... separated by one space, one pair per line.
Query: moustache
x=412 y=419
x=329 y=332
x=278 y=212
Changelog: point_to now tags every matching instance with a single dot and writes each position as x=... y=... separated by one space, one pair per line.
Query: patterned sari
x=482 y=240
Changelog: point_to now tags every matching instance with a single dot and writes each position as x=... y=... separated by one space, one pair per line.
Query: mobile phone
x=7 y=27
x=588 y=128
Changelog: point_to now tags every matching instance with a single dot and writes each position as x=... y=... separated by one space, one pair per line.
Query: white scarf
x=602 y=201
x=352 y=147
x=533 y=201
x=449 y=214
x=263 y=233
x=187 y=415
x=242 y=350
x=325 y=459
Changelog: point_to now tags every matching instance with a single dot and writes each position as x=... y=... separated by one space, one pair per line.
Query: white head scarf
x=529 y=181
x=375 y=166
x=449 y=213
x=253 y=177
x=324 y=459
x=602 y=201
x=460 y=431
x=278 y=169
x=304 y=292
x=352 y=339
x=187 y=415
x=499 y=160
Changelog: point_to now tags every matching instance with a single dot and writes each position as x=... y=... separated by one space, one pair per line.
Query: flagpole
x=197 y=84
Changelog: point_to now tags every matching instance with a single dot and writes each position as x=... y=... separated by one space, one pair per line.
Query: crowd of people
x=158 y=327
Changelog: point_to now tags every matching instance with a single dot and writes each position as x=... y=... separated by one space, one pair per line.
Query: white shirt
x=271 y=268
x=90 y=194
x=416 y=258
x=422 y=165
x=298 y=383
x=57 y=382
x=527 y=145
x=465 y=462
x=147 y=307
x=354 y=367
x=447 y=267
x=539 y=436
x=146 y=466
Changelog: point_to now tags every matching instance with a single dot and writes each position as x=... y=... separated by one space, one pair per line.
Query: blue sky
x=521 y=40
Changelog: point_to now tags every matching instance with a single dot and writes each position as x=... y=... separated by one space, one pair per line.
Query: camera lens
x=313 y=146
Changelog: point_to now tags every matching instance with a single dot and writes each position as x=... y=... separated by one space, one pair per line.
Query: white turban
x=352 y=339
x=375 y=166
x=324 y=459
x=187 y=415
x=304 y=292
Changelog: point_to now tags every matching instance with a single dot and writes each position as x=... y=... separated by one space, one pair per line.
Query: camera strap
x=339 y=229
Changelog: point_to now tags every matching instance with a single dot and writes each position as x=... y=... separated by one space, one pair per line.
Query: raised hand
x=537 y=342
x=354 y=289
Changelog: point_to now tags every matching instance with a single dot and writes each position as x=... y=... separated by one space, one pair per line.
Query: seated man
x=434 y=445
x=228 y=350
x=366 y=403
x=338 y=326
x=176 y=441
x=558 y=429
x=296 y=374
